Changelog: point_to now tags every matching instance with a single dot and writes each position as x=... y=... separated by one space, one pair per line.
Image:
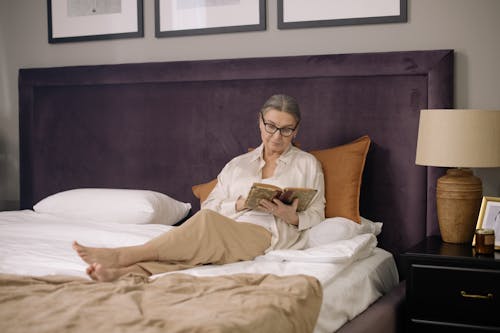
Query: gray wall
x=470 y=27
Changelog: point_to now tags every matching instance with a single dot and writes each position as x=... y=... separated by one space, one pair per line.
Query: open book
x=260 y=191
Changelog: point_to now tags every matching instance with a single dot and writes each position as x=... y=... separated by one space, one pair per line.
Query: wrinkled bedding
x=351 y=273
x=171 y=303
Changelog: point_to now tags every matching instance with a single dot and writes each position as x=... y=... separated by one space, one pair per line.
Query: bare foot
x=98 y=272
x=103 y=274
x=91 y=271
x=104 y=256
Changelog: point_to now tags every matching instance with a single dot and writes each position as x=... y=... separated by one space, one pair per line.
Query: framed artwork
x=200 y=17
x=489 y=217
x=85 y=20
x=323 y=13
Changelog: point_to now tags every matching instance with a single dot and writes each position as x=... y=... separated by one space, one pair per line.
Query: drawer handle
x=475 y=296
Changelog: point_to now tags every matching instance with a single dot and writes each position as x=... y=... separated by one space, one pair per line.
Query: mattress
x=353 y=273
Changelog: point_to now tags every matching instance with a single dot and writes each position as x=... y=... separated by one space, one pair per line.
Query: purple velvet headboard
x=168 y=126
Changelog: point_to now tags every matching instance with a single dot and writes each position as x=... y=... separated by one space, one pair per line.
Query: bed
x=166 y=127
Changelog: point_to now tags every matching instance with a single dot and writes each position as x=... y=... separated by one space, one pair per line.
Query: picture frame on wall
x=87 y=20
x=293 y=14
x=200 y=17
x=489 y=217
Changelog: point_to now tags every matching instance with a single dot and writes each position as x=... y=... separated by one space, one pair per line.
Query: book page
x=305 y=196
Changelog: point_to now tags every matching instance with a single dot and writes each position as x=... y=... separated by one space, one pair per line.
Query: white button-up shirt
x=295 y=168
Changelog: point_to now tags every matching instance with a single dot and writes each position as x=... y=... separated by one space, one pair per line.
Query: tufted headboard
x=168 y=126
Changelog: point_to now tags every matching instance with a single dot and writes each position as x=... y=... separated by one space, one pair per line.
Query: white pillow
x=339 y=228
x=114 y=206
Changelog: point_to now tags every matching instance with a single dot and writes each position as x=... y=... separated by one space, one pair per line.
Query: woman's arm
x=220 y=199
x=315 y=213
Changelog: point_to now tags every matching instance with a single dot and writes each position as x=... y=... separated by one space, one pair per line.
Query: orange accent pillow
x=202 y=191
x=343 y=169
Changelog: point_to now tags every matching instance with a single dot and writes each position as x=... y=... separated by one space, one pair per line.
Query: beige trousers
x=207 y=238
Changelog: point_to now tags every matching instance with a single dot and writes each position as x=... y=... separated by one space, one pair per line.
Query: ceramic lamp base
x=459 y=195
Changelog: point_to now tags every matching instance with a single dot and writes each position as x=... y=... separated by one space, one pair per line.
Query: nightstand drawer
x=455 y=295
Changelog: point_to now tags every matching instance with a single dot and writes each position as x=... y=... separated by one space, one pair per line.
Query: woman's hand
x=240 y=203
x=287 y=213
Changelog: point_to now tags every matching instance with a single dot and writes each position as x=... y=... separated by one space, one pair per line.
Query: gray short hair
x=282 y=103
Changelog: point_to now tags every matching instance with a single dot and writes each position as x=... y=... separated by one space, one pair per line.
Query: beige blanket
x=172 y=303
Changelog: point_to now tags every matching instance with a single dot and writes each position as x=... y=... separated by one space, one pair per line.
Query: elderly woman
x=224 y=230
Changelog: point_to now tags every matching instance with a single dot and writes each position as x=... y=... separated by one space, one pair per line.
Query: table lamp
x=459 y=139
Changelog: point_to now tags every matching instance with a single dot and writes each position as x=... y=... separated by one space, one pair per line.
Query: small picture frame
x=87 y=20
x=489 y=218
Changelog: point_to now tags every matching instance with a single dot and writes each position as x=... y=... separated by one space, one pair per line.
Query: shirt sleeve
x=315 y=213
x=219 y=199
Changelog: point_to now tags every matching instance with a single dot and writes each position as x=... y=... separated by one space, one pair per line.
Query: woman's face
x=281 y=123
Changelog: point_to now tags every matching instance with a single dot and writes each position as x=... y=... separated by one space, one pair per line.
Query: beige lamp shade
x=459 y=138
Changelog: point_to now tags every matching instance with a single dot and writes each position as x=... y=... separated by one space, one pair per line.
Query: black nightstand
x=451 y=289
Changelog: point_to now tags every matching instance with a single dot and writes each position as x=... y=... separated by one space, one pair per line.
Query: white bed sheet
x=40 y=244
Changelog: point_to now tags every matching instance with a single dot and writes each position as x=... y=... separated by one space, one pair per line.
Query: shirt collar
x=285 y=157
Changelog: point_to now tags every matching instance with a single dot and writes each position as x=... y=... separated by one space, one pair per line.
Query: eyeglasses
x=271 y=129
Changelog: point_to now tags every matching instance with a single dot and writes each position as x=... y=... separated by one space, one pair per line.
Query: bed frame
x=168 y=126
